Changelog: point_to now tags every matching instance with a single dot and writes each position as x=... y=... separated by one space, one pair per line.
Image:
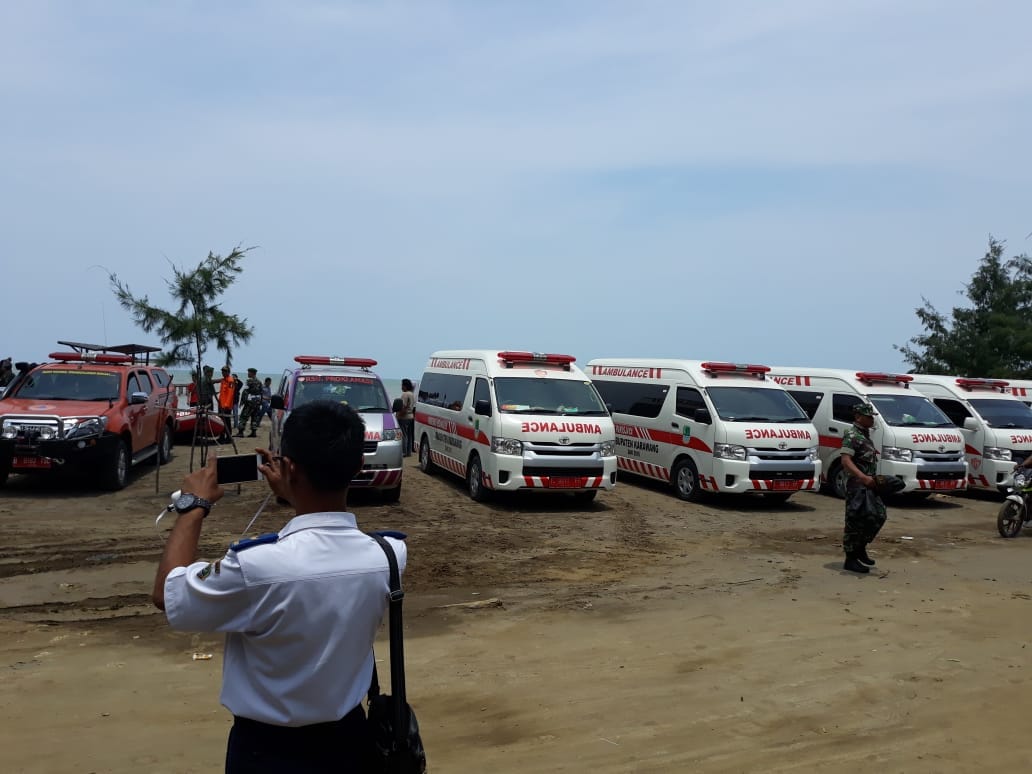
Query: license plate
x=789 y=485
x=944 y=484
x=31 y=463
x=565 y=482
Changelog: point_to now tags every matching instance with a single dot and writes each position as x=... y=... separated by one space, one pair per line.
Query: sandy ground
x=640 y=634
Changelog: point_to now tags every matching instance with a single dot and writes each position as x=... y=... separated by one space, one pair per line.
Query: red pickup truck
x=97 y=410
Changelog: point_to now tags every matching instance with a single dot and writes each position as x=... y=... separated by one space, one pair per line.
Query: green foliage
x=990 y=338
x=198 y=319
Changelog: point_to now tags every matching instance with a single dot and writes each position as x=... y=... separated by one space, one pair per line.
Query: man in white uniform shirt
x=300 y=608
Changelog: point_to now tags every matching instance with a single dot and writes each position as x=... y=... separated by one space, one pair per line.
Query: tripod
x=203 y=413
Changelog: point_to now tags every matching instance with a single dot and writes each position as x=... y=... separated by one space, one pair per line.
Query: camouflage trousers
x=250 y=411
x=865 y=515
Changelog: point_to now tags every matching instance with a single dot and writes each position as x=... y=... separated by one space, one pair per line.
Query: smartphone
x=237 y=468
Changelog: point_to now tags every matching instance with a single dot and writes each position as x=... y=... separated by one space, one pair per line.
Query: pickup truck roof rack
x=133 y=350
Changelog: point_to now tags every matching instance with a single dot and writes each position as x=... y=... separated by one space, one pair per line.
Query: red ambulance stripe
x=969 y=449
x=830 y=441
x=677 y=439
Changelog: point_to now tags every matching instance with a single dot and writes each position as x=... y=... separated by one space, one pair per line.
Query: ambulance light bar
x=992 y=384
x=873 y=376
x=86 y=357
x=759 y=371
x=334 y=360
x=536 y=357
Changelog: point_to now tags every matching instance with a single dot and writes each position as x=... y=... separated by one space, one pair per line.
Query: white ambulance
x=508 y=420
x=708 y=427
x=915 y=440
x=997 y=426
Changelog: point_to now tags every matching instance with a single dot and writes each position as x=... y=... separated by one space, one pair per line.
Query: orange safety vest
x=226 y=393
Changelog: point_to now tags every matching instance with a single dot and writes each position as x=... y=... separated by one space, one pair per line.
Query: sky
x=772 y=182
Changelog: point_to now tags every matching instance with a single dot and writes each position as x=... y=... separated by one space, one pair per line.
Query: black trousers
x=340 y=747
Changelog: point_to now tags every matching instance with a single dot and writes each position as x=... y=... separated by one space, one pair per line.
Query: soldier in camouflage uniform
x=250 y=403
x=860 y=459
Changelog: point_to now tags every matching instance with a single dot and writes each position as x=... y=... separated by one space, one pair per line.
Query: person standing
x=227 y=398
x=266 y=406
x=300 y=608
x=865 y=511
x=251 y=401
x=207 y=388
x=6 y=372
x=407 y=417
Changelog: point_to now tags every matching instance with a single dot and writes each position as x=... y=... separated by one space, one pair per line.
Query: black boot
x=863 y=557
x=254 y=434
x=853 y=564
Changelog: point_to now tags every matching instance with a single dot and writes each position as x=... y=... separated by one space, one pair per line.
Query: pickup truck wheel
x=115 y=473
x=165 y=446
x=4 y=473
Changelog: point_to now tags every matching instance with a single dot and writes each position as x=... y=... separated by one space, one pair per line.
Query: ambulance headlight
x=506 y=446
x=996 y=453
x=729 y=451
x=896 y=454
x=812 y=453
x=608 y=448
x=394 y=434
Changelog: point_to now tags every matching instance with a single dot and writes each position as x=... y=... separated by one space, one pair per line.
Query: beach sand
x=640 y=634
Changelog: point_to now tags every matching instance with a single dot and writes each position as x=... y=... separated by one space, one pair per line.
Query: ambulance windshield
x=755 y=404
x=363 y=394
x=547 y=396
x=1003 y=413
x=909 y=411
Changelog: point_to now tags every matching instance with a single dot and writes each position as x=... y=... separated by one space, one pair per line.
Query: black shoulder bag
x=398 y=748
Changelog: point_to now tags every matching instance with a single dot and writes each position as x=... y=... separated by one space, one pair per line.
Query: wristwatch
x=188 y=501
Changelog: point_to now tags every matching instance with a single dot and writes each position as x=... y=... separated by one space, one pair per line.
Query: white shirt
x=300 y=617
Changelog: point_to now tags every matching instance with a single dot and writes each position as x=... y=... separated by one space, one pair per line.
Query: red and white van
x=505 y=420
x=706 y=426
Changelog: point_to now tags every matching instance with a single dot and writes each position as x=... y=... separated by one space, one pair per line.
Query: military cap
x=209 y=369
x=864 y=410
x=252 y=370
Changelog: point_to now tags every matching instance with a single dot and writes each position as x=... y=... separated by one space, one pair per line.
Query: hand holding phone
x=238 y=468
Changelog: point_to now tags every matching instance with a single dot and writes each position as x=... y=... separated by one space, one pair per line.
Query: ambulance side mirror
x=482 y=407
x=276 y=402
x=970 y=423
x=702 y=415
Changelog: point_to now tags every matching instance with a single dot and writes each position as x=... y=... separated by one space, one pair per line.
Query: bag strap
x=397 y=644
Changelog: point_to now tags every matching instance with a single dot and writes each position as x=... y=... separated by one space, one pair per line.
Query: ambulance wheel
x=391 y=495
x=685 y=479
x=837 y=478
x=777 y=498
x=475 y=480
x=425 y=463
x=585 y=498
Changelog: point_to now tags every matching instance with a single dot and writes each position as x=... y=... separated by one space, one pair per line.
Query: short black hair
x=325 y=439
x=406 y=385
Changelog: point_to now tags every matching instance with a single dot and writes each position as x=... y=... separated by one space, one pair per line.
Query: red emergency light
x=759 y=371
x=989 y=384
x=870 y=377
x=77 y=357
x=536 y=357
x=333 y=360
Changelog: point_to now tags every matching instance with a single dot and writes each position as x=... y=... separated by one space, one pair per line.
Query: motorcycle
x=1015 y=513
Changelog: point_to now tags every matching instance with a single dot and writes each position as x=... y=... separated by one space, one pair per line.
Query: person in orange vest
x=227 y=396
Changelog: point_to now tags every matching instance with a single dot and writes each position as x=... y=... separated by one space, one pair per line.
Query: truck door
x=142 y=416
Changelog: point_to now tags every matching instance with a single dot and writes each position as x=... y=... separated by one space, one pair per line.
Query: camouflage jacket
x=865 y=456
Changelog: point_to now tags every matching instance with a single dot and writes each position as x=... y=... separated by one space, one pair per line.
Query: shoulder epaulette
x=261 y=540
x=391 y=533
